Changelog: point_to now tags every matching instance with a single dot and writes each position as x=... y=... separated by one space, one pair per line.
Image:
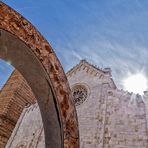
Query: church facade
x=107 y=117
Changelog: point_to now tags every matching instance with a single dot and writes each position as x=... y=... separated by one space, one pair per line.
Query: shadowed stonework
x=14 y=96
x=31 y=54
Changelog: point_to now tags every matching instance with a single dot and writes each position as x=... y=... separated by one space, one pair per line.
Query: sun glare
x=136 y=83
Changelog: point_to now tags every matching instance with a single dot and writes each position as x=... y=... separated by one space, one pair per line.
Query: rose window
x=79 y=93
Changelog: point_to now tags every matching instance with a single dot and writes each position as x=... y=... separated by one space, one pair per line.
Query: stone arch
x=31 y=54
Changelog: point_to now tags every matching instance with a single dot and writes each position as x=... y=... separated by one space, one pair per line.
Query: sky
x=107 y=33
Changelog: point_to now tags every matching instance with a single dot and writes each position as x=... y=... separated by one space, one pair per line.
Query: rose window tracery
x=79 y=93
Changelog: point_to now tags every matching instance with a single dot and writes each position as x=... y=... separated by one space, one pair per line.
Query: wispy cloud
x=107 y=33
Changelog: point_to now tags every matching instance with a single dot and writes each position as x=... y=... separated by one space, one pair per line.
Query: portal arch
x=28 y=51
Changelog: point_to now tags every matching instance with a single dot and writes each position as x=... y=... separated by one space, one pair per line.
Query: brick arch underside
x=31 y=54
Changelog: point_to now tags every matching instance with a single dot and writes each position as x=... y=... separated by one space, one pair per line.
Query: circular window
x=79 y=93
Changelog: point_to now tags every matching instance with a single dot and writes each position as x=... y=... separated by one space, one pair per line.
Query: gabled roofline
x=103 y=71
x=94 y=69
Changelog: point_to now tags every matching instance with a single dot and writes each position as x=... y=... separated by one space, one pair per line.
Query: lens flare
x=8 y=62
x=136 y=83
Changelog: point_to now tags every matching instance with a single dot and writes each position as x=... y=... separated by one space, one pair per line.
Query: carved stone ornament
x=79 y=93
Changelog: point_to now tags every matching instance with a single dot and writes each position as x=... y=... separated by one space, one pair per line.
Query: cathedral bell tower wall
x=14 y=96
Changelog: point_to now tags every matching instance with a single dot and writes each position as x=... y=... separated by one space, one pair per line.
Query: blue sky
x=107 y=33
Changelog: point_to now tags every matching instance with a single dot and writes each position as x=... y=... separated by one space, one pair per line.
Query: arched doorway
x=30 y=53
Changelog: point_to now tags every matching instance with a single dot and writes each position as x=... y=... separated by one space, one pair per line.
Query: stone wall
x=91 y=113
x=14 y=96
x=126 y=121
x=109 y=118
x=29 y=131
